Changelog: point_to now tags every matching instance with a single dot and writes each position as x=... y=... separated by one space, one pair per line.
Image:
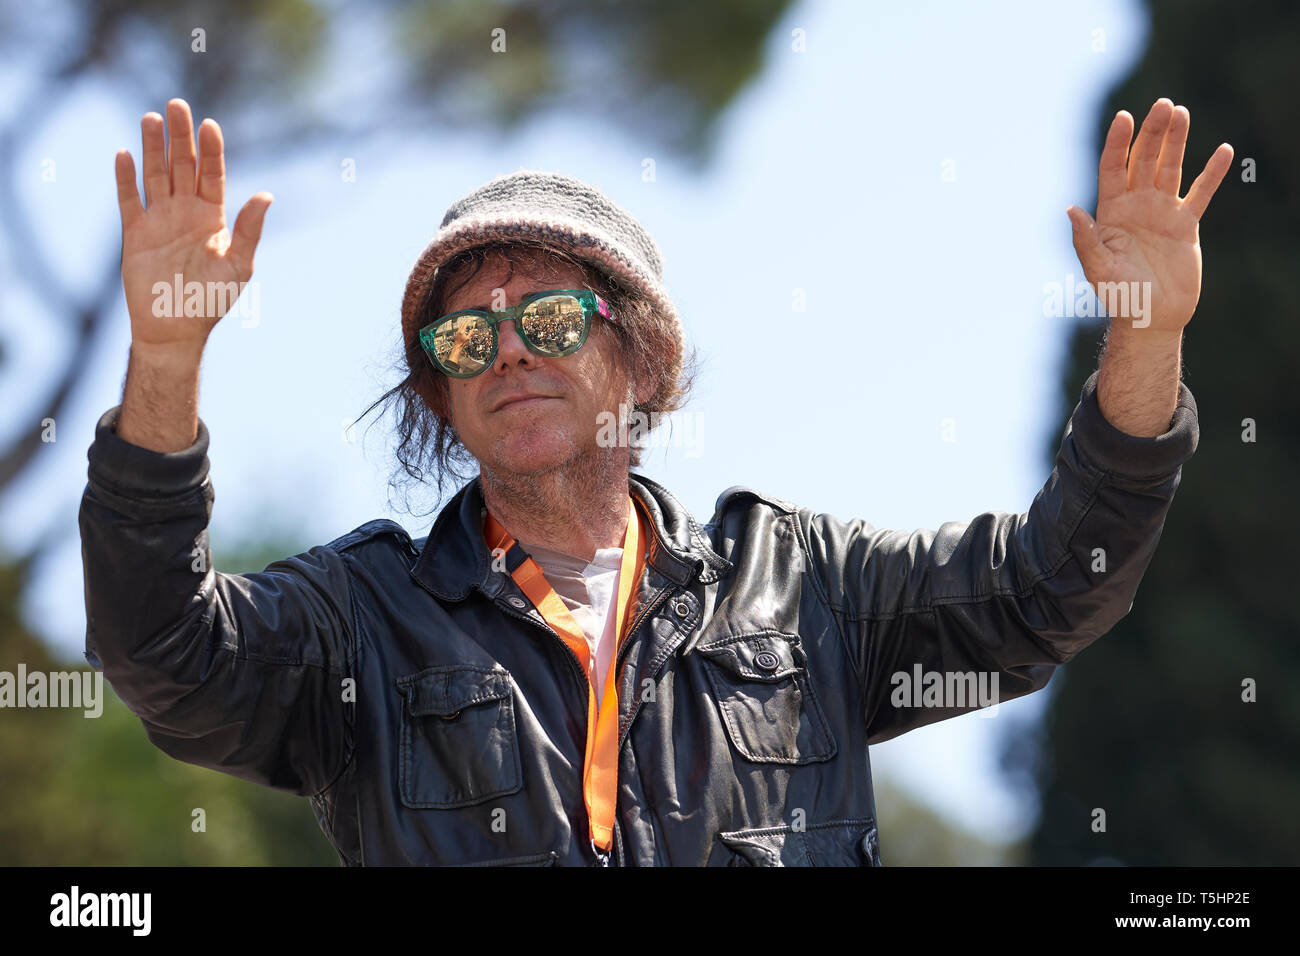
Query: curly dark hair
x=427 y=443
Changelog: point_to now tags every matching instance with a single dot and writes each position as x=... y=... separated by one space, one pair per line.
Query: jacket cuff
x=138 y=472
x=1105 y=446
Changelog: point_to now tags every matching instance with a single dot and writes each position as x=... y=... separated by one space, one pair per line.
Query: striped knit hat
x=558 y=210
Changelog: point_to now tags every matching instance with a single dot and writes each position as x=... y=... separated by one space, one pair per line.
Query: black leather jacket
x=421 y=702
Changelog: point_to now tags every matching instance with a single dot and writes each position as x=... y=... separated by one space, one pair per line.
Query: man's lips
x=529 y=399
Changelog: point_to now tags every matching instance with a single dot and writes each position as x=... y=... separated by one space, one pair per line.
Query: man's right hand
x=181 y=232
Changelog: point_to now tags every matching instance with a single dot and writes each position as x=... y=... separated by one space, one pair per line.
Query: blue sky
x=830 y=180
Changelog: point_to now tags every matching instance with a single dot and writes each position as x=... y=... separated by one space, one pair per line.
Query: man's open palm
x=183 y=229
x=1143 y=232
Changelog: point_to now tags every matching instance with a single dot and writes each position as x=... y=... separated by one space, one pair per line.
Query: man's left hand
x=1143 y=232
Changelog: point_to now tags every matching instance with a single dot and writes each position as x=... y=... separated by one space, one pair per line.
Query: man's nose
x=511 y=348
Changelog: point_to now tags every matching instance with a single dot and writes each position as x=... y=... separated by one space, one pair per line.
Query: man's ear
x=643 y=390
x=435 y=397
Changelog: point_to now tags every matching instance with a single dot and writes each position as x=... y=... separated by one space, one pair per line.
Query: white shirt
x=589 y=589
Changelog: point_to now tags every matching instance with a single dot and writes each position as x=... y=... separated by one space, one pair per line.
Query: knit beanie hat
x=559 y=210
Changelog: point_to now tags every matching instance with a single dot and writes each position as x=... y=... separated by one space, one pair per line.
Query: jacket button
x=515 y=601
x=767 y=660
x=681 y=609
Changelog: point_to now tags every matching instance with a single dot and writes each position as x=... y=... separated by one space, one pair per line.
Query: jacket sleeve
x=1005 y=597
x=241 y=673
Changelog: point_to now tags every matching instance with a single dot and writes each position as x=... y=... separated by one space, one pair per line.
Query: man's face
x=538 y=434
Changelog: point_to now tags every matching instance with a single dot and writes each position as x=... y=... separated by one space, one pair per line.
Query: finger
x=247 y=232
x=1146 y=148
x=1093 y=256
x=1169 y=168
x=128 y=197
x=157 y=183
x=1111 y=180
x=180 y=147
x=1205 y=185
x=212 y=163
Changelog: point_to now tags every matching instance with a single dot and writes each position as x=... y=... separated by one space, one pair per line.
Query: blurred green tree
x=83 y=791
x=283 y=77
x=1149 y=724
x=288 y=76
x=912 y=834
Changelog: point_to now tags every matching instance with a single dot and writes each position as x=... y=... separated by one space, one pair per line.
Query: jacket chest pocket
x=458 y=744
x=766 y=699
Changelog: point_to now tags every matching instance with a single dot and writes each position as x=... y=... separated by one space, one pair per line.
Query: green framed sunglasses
x=553 y=323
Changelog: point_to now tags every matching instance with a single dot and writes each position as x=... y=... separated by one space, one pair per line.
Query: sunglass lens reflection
x=554 y=324
x=464 y=345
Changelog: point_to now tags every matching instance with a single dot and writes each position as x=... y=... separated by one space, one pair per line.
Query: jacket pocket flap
x=762 y=657
x=445 y=691
x=836 y=843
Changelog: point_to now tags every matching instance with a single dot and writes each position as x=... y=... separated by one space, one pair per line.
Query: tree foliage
x=283 y=77
x=1150 y=724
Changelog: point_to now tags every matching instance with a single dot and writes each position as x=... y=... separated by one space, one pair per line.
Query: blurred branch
x=664 y=70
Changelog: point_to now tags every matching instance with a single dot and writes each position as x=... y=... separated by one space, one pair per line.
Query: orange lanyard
x=600 y=762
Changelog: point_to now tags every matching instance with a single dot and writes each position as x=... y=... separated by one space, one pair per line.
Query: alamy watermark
x=949 y=689
x=643 y=431
x=76 y=908
x=79 y=689
x=208 y=299
x=1115 y=300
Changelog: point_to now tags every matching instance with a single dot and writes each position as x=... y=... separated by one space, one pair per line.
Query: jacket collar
x=454 y=558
